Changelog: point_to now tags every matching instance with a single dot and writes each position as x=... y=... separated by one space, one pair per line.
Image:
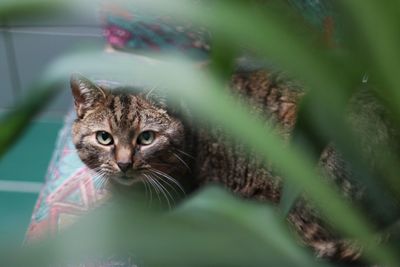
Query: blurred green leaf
x=372 y=34
x=275 y=35
x=204 y=95
x=272 y=35
x=13 y=9
x=374 y=26
x=13 y=123
x=211 y=229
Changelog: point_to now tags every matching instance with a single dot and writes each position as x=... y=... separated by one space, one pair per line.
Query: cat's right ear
x=87 y=95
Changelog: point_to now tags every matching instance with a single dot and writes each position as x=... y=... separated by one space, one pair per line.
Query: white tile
x=34 y=51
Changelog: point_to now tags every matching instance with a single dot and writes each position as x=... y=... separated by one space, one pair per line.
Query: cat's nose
x=124 y=166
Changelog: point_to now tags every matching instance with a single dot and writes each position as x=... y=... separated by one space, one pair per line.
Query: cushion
x=69 y=190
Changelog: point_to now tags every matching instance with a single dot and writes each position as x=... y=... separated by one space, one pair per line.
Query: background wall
x=27 y=46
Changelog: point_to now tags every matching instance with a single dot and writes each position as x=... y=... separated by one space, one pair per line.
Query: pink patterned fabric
x=129 y=29
x=69 y=192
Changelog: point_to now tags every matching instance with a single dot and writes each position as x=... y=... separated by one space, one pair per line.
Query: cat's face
x=125 y=136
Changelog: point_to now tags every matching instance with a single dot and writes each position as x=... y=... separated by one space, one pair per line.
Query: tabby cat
x=133 y=137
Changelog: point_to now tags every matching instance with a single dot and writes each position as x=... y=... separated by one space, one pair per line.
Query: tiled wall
x=27 y=46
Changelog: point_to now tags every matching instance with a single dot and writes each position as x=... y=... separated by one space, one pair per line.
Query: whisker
x=104 y=182
x=148 y=94
x=98 y=177
x=143 y=180
x=150 y=190
x=184 y=153
x=145 y=187
x=181 y=160
x=155 y=188
x=167 y=182
x=99 y=180
x=161 y=184
x=169 y=178
x=165 y=192
x=93 y=178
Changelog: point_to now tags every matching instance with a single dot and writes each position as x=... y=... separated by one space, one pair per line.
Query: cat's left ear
x=87 y=95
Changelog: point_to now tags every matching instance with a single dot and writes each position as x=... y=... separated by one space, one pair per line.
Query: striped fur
x=125 y=116
x=209 y=154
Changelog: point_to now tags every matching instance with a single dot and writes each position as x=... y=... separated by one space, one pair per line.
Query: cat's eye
x=146 y=138
x=104 y=138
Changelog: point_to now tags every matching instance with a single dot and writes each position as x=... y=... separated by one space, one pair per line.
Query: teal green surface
x=15 y=214
x=29 y=157
x=27 y=160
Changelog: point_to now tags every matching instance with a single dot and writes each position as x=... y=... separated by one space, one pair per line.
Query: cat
x=123 y=136
x=132 y=137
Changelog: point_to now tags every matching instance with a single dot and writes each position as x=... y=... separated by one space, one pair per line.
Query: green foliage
x=213 y=228
x=213 y=224
x=15 y=121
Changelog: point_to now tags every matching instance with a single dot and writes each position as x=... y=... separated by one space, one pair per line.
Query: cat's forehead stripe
x=124 y=110
x=126 y=105
x=117 y=109
x=132 y=110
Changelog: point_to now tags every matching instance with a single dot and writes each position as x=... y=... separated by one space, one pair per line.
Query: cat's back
x=225 y=161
